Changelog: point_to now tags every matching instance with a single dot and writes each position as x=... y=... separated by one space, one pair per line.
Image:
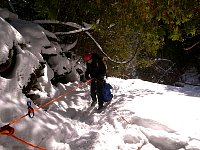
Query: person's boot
x=93 y=103
x=100 y=107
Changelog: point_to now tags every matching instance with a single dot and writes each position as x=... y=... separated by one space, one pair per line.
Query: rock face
x=28 y=48
x=8 y=46
x=4 y=67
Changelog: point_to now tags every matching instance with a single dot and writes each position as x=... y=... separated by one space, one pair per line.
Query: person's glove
x=83 y=79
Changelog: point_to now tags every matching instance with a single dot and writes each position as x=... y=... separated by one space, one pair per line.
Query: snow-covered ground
x=141 y=116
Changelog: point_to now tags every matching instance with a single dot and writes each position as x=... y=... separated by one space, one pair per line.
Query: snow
x=141 y=116
x=4 y=13
x=10 y=36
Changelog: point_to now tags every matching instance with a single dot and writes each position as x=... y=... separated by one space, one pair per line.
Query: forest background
x=154 y=40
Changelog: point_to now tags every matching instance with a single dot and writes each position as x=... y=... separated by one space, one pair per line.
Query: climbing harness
x=9 y=131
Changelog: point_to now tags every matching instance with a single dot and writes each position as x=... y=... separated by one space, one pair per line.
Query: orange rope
x=17 y=119
x=7 y=130
x=25 y=142
x=64 y=94
x=51 y=101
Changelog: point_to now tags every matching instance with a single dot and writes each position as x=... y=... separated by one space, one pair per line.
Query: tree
x=127 y=27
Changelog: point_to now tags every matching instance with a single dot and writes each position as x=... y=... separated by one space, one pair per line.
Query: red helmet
x=87 y=56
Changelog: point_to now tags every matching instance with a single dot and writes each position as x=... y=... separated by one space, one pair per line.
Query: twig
x=191 y=46
x=11 y=6
x=140 y=147
x=170 y=68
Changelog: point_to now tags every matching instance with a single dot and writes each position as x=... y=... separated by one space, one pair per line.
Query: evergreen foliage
x=152 y=28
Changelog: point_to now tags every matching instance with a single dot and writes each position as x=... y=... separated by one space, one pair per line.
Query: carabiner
x=30 y=110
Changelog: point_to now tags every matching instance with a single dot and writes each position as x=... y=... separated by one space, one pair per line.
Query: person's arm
x=87 y=72
x=101 y=69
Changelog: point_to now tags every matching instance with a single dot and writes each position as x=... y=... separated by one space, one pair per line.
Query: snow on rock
x=60 y=64
x=193 y=144
x=45 y=81
x=4 y=13
x=10 y=36
x=53 y=49
x=165 y=140
x=34 y=36
x=26 y=64
x=67 y=47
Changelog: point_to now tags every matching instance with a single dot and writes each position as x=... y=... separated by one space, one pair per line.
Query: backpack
x=106 y=92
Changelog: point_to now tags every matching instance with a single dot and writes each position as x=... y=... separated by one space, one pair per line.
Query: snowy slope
x=142 y=114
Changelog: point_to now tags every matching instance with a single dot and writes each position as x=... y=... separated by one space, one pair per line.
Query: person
x=96 y=70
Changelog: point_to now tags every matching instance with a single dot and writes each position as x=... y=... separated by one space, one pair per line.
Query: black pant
x=96 y=91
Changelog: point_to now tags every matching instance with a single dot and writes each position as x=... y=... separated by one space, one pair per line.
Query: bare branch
x=124 y=62
x=165 y=71
x=80 y=29
x=158 y=66
x=72 y=32
x=11 y=6
x=191 y=46
x=71 y=24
